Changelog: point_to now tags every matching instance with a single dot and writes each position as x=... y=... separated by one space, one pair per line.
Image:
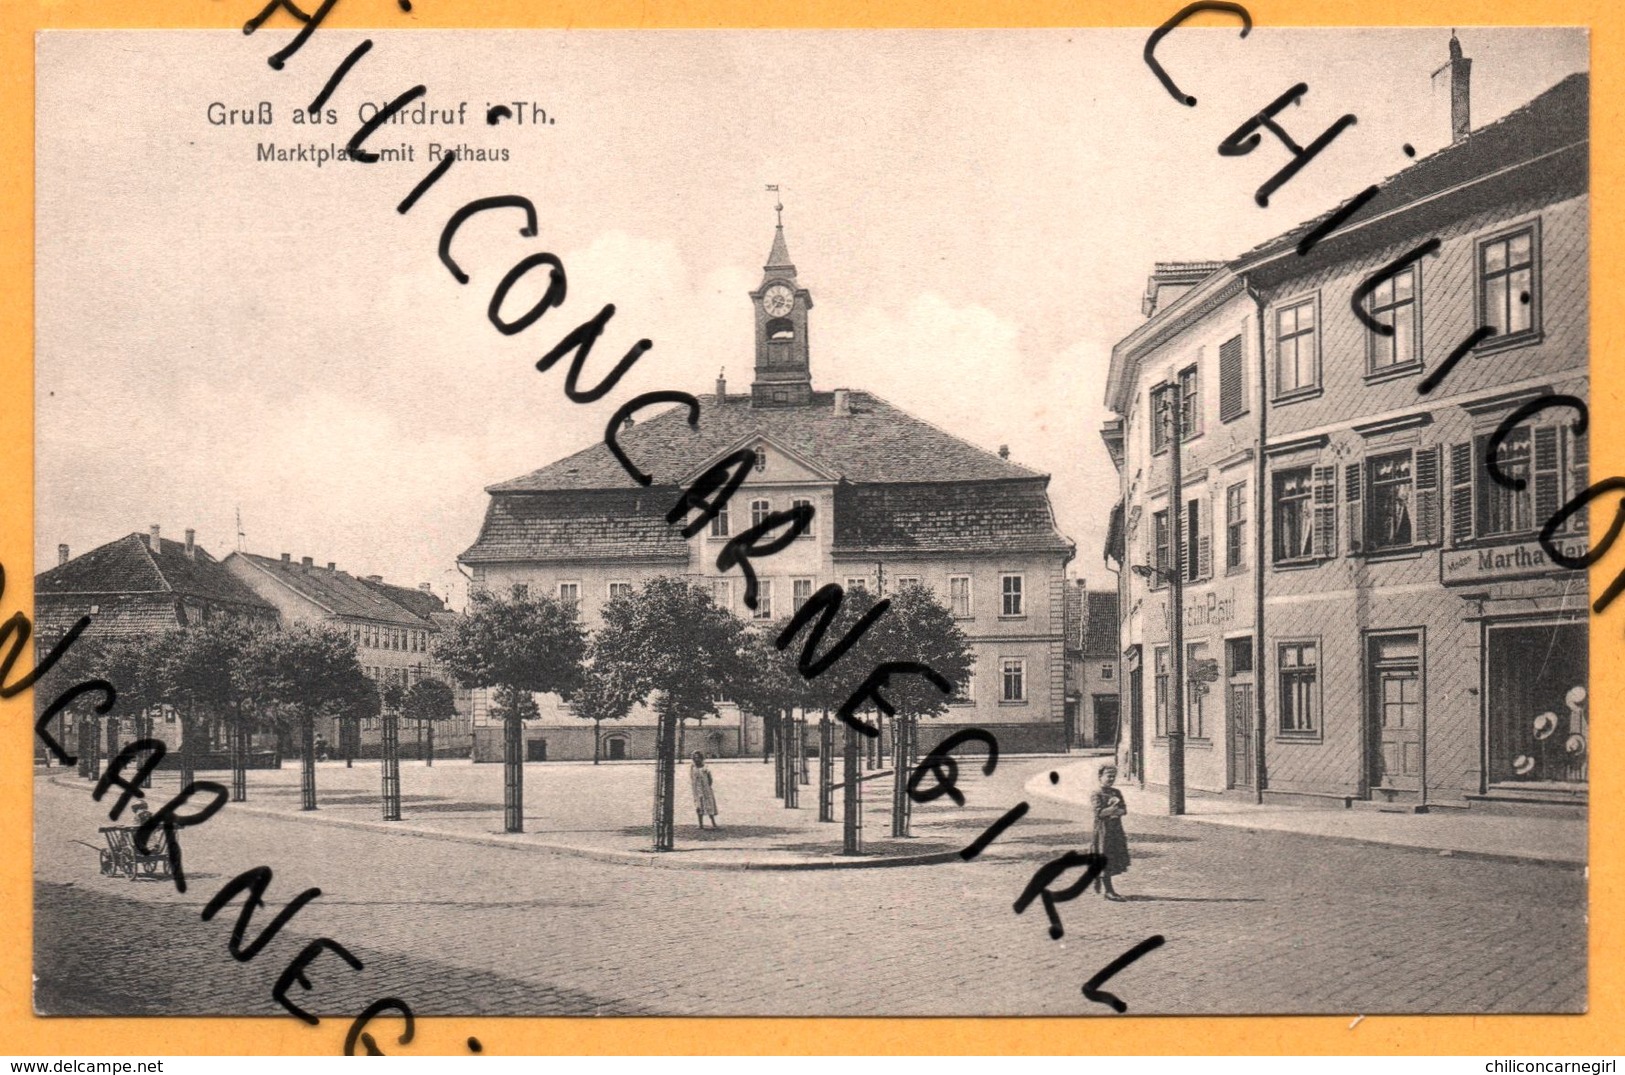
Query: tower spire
x=779 y=256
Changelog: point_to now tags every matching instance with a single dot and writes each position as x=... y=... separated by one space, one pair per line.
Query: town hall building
x=897 y=502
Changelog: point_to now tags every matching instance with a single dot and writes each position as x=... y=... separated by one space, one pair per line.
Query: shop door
x=1238 y=709
x=1107 y=710
x=1136 y=723
x=1394 y=702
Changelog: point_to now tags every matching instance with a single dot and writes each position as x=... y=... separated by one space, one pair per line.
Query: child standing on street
x=705 y=800
x=1110 y=840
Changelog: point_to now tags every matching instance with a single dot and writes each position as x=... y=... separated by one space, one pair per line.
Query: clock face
x=778 y=300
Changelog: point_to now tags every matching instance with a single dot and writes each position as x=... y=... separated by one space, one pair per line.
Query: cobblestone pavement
x=1254 y=922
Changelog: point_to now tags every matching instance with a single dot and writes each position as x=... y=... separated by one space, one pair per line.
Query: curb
x=649 y=859
x=1036 y=787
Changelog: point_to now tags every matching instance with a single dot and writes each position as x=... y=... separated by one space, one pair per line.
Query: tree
x=428 y=701
x=304 y=672
x=917 y=628
x=671 y=641
x=84 y=660
x=198 y=671
x=129 y=664
x=520 y=646
x=600 y=696
x=766 y=682
x=389 y=700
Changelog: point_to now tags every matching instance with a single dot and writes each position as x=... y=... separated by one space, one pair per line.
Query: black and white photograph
x=812 y=523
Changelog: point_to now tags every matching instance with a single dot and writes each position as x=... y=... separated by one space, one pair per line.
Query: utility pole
x=1176 y=600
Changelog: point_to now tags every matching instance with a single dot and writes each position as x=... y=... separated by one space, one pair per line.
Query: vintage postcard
x=1026 y=522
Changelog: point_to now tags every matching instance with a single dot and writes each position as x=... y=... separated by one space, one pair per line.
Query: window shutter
x=1353 y=482
x=1425 y=478
x=1325 y=480
x=1461 y=492
x=1232 y=391
x=1204 y=557
x=1579 y=460
x=1548 y=475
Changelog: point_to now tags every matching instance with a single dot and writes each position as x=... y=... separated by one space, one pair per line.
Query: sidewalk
x=598 y=812
x=1556 y=841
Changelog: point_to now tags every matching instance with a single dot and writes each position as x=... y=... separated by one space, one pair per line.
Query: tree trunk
x=826 y=769
x=351 y=732
x=112 y=738
x=787 y=762
x=852 y=794
x=392 y=766
x=239 y=761
x=430 y=759
x=420 y=740
x=188 y=744
x=307 y=762
x=901 y=805
x=513 y=773
x=144 y=725
x=597 y=740
x=775 y=737
x=665 y=783
x=769 y=727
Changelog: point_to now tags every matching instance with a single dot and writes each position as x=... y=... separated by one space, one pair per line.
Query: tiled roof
x=339 y=592
x=1100 y=631
x=875 y=443
x=964 y=517
x=1558 y=118
x=128 y=565
x=420 y=603
x=575 y=526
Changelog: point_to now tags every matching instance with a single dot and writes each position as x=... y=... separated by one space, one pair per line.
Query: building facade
x=1386 y=622
x=896 y=502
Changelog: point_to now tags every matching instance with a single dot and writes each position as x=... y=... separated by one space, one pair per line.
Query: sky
x=974 y=212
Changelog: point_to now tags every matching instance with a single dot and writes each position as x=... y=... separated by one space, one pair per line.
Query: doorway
x=617 y=748
x=1395 y=711
x=1108 y=709
x=536 y=750
x=1238 y=709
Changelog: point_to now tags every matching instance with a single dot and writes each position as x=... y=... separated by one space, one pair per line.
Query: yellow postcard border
x=23 y=1033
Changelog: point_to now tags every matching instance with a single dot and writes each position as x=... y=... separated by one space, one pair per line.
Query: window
x=570 y=593
x=800 y=593
x=811 y=519
x=1551 y=461
x=1232 y=381
x=620 y=589
x=1160 y=679
x=1509 y=285
x=1106 y=671
x=1235 y=528
x=722 y=594
x=1190 y=403
x=1160 y=557
x=759 y=510
x=719 y=522
x=764 y=600
x=1299 y=692
x=906 y=581
x=959 y=597
x=1296 y=360
x=1014 y=674
x=1388 y=514
x=521 y=591
x=1161 y=417
x=1305 y=514
x=854 y=585
x=964 y=693
x=1010 y=596
x=1393 y=500
x=1195 y=690
x=1197 y=546
x=761 y=453
x=1394 y=304
x=1238 y=656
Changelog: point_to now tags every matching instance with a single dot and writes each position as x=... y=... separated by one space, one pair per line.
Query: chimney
x=304 y=562
x=1004 y=451
x=425 y=587
x=375 y=578
x=843 y=403
x=722 y=385
x=191 y=544
x=61 y=555
x=286 y=558
x=331 y=566
x=1455 y=77
x=152 y=542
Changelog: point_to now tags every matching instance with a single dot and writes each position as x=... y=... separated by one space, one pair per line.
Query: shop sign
x=1518 y=560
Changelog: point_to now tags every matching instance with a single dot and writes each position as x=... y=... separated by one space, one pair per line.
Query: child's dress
x=1110 y=840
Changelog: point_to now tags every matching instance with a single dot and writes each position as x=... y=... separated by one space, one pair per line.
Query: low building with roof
x=897 y=502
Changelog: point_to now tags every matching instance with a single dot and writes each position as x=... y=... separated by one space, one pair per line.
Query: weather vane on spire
x=778 y=203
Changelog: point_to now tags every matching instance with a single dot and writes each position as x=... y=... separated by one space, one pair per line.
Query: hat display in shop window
x=1545 y=725
x=1575 y=696
x=1523 y=765
x=1575 y=744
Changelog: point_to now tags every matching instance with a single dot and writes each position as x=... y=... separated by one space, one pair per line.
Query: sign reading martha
x=1517 y=560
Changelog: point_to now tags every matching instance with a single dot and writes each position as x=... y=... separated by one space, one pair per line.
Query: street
x=1254 y=922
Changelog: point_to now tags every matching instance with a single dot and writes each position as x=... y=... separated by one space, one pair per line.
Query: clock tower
x=783 y=374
